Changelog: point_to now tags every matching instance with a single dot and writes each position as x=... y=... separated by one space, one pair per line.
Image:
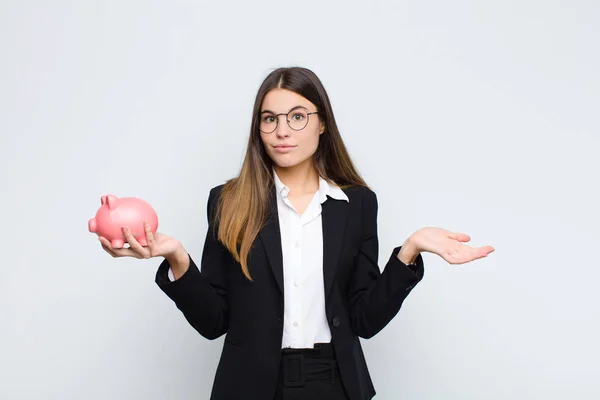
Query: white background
x=478 y=117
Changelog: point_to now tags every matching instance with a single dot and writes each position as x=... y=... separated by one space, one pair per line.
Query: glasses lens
x=268 y=122
x=297 y=119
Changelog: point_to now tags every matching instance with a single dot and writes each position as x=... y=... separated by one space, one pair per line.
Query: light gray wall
x=479 y=117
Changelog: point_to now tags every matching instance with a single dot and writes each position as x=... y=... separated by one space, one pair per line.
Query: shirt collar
x=325 y=189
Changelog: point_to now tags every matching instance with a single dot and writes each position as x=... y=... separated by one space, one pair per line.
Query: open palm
x=449 y=245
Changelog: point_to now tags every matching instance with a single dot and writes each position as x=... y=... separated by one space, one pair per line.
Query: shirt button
x=296 y=324
x=297 y=244
x=296 y=283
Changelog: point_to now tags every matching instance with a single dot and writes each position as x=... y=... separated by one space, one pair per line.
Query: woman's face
x=288 y=147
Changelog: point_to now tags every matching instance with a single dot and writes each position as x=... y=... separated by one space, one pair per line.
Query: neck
x=302 y=178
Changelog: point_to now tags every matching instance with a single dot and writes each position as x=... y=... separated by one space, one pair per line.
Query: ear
x=322 y=128
x=111 y=201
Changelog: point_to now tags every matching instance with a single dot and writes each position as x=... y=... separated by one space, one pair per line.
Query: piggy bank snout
x=92 y=225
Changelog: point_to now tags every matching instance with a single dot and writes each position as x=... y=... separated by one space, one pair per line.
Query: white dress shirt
x=304 y=319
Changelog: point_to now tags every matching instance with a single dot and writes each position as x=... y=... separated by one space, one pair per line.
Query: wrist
x=409 y=252
x=178 y=260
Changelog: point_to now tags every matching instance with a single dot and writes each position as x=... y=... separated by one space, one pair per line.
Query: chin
x=288 y=160
x=285 y=163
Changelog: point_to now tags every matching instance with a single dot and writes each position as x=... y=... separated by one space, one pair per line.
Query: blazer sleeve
x=201 y=295
x=376 y=297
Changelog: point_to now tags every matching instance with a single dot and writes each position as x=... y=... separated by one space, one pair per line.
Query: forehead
x=282 y=100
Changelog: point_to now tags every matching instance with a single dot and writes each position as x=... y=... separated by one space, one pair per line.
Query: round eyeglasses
x=297 y=119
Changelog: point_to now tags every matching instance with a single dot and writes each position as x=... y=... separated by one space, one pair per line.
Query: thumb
x=461 y=237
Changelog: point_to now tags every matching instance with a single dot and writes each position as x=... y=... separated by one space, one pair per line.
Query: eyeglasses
x=298 y=121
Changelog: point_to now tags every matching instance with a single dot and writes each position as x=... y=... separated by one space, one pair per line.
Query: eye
x=298 y=116
x=268 y=118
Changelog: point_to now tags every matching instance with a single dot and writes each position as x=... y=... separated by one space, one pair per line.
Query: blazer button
x=336 y=322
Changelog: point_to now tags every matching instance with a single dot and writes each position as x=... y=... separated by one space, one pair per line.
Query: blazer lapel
x=334 y=216
x=270 y=235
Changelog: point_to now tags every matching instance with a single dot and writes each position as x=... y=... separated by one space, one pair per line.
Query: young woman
x=289 y=267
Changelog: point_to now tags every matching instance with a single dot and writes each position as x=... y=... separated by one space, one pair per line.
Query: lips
x=283 y=148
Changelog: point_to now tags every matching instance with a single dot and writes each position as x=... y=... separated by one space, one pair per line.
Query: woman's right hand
x=158 y=245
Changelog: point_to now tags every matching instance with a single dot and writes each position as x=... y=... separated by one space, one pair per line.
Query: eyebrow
x=291 y=109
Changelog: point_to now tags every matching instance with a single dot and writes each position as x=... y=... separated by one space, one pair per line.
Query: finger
x=122 y=252
x=474 y=254
x=462 y=254
x=127 y=252
x=134 y=245
x=149 y=237
x=106 y=246
x=461 y=237
x=485 y=250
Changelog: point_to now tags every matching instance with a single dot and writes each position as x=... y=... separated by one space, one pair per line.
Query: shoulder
x=360 y=194
x=212 y=202
x=363 y=202
x=215 y=191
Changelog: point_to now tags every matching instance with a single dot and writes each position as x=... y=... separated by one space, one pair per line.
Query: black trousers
x=310 y=374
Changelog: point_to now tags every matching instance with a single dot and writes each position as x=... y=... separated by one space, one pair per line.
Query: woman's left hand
x=448 y=245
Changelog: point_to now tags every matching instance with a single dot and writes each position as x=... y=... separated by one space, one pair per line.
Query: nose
x=283 y=129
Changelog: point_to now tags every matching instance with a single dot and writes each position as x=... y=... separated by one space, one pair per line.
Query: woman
x=289 y=267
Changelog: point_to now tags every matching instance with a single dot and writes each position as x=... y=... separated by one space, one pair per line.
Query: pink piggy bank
x=117 y=212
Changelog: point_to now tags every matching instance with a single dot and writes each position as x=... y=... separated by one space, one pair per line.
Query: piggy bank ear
x=111 y=201
x=103 y=200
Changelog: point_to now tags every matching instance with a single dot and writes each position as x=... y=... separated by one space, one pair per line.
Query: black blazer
x=360 y=300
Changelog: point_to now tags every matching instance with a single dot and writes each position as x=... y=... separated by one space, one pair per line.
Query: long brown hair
x=243 y=203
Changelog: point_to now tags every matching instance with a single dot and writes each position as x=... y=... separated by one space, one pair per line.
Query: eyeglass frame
x=308 y=114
